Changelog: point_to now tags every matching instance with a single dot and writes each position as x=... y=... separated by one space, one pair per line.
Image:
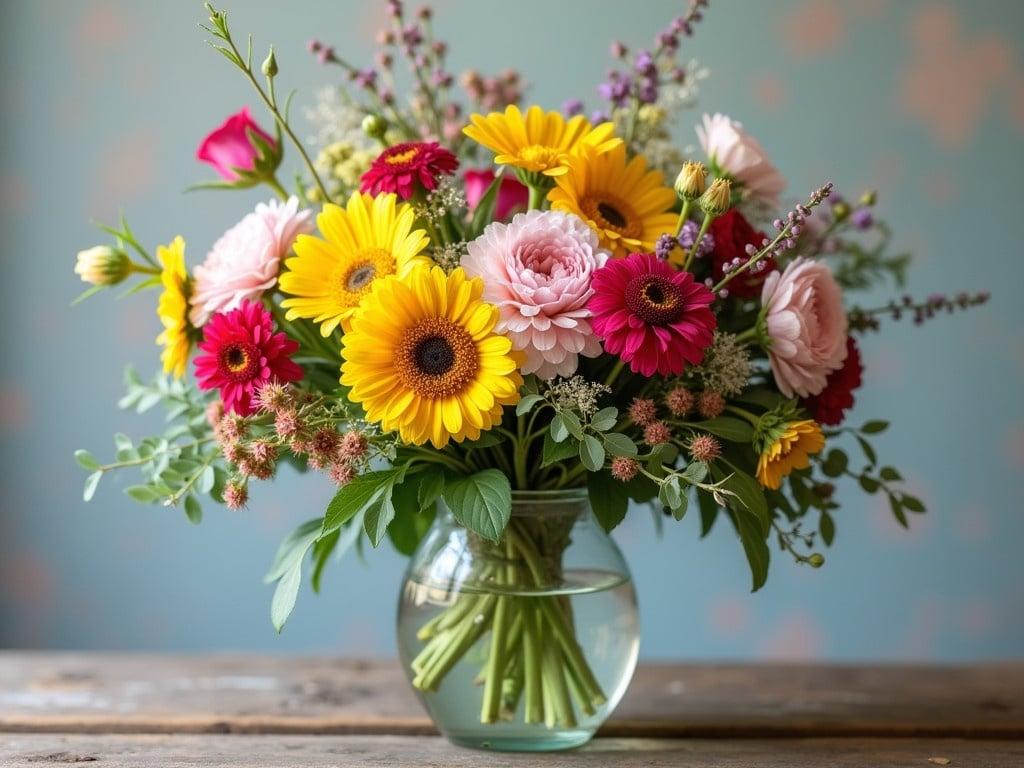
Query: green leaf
x=91 y=482
x=608 y=498
x=912 y=503
x=482 y=502
x=670 y=494
x=749 y=495
x=206 y=480
x=558 y=430
x=835 y=463
x=283 y=601
x=591 y=453
x=618 y=444
x=410 y=523
x=890 y=474
x=378 y=517
x=555 y=451
x=526 y=404
x=145 y=494
x=869 y=452
x=486 y=440
x=762 y=397
x=605 y=419
x=755 y=546
x=357 y=496
x=874 y=427
x=708 y=512
x=642 y=489
x=827 y=528
x=193 y=510
x=86 y=460
x=292 y=546
x=897 y=511
x=322 y=549
x=431 y=485
x=733 y=430
x=869 y=484
x=572 y=423
x=696 y=471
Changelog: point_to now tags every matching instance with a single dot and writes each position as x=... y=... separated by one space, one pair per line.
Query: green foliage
x=368 y=494
x=608 y=498
x=728 y=428
x=482 y=502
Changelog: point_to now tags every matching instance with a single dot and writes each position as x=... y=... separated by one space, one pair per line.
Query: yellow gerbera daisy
x=626 y=204
x=172 y=309
x=790 y=450
x=370 y=238
x=540 y=142
x=423 y=358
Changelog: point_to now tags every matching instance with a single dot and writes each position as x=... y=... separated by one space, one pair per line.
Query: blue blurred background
x=103 y=104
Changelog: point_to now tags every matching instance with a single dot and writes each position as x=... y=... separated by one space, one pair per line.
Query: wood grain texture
x=126 y=693
x=194 y=750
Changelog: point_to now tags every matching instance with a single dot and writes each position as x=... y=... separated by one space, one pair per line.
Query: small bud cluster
x=449 y=256
x=725 y=367
x=920 y=312
x=493 y=92
x=624 y=468
x=577 y=394
x=447 y=197
x=666 y=243
x=704 y=447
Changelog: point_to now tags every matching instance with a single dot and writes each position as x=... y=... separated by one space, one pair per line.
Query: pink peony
x=806 y=325
x=245 y=261
x=242 y=354
x=512 y=196
x=230 y=149
x=652 y=316
x=741 y=157
x=537 y=269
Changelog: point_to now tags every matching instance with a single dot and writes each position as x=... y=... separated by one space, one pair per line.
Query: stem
x=708 y=218
x=275 y=185
x=684 y=214
x=619 y=365
x=744 y=413
x=537 y=196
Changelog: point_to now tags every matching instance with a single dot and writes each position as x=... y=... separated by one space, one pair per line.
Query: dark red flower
x=405 y=167
x=733 y=233
x=830 y=405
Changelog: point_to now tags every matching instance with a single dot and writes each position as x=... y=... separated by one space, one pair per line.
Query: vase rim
x=558 y=496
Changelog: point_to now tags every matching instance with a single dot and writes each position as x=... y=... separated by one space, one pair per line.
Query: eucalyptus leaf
x=86 y=460
x=591 y=453
x=605 y=419
x=91 y=482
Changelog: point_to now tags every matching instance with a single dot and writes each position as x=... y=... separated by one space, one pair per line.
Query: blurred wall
x=101 y=107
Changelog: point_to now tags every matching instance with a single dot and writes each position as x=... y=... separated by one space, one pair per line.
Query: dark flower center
x=611 y=214
x=434 y=356
x=655 y=299
x=360 y=277
x=238 y=361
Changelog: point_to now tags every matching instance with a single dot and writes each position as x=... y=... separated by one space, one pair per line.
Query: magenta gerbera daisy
x=403 y=167
x=652 y=316
x=242 y=354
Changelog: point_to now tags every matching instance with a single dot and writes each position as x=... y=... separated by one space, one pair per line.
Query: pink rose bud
x=512 y=195
x=229 y=148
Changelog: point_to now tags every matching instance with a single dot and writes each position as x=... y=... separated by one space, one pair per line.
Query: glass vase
x=525 y=644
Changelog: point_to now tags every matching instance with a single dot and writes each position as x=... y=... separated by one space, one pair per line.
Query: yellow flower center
x=352 y=280
x=611 y=213
x=539 y=157
x=437 y=358
x=399 y=158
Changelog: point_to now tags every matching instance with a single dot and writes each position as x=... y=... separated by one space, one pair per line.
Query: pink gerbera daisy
x=242 y=354
x=403 y=167
x=653 y=317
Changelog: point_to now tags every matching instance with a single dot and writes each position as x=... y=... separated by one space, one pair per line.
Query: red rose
x=732 y=234
x=830 y=405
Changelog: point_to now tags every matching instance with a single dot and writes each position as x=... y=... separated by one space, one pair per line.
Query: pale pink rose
x=245 y=261
x=741 y=156
x=537 y=270
x=229 y=148
x=806 y=325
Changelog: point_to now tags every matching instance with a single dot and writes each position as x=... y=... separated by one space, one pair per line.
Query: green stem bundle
x=533 y=655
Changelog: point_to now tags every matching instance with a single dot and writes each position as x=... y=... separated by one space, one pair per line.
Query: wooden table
x=120 y=710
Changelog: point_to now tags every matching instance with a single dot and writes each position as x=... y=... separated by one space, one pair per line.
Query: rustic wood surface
x=128 y=694
x=251 y=751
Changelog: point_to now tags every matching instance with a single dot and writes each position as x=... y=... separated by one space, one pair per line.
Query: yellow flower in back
x=172 y=309
x=424 y=360
x=627 y=205
x=538 y=142
x=370 y=238
x=791 y=449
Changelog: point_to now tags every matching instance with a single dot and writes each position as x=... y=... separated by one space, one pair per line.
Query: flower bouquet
x=492 y=364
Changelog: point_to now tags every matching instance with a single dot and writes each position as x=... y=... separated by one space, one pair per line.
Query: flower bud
x=375 y=126
x=716 y=199
x=270 y=64
x=869 y=198
x=816 y=560
x=691 y=180
x=103 y=265
x=840 y=210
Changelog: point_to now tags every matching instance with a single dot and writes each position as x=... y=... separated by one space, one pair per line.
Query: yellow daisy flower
x=370 y=238
x=172 y=309
x=423 y=358
x=538 y=142
x=791 y=450
x=626 y=204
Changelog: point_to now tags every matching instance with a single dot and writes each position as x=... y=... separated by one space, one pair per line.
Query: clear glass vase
x=526 y=644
